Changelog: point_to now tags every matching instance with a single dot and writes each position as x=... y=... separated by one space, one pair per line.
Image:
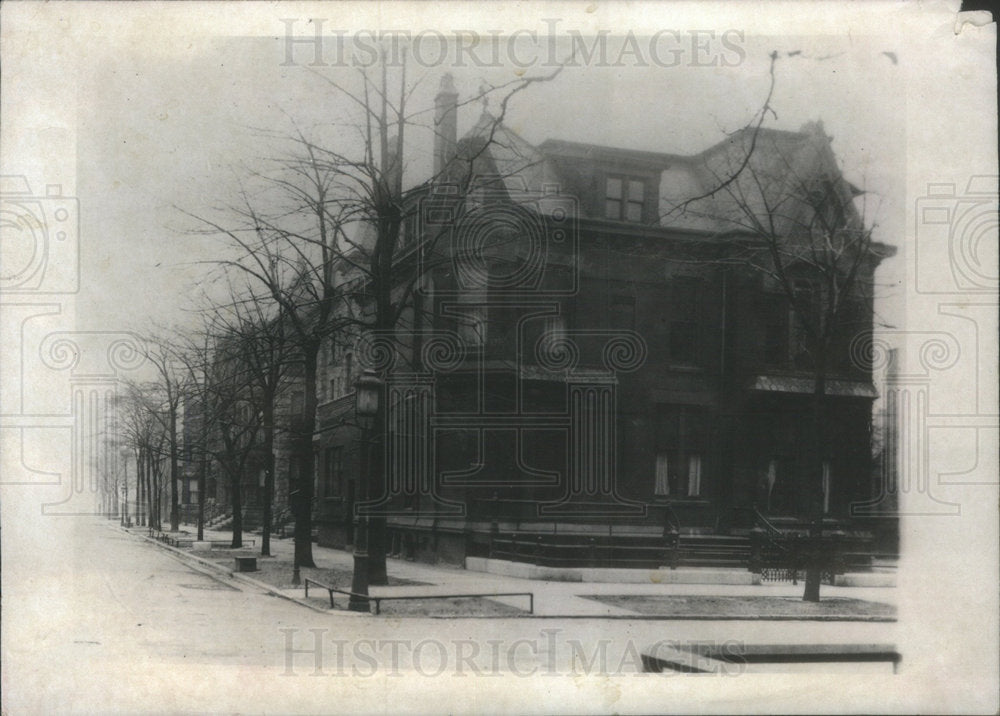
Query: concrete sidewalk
x=551 y=598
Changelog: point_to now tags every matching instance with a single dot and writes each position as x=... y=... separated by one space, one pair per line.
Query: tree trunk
x=237 y=503
x=301 y=494
x=201 y=499
x=203 y=435
x=139 y=468
x=144 y=490
x=268 y=518
x=377 y=573
x=814 y=574
x=174 y=511
x=158 y=494
x=151 y=520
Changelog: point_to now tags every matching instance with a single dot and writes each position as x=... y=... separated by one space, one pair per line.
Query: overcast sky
x=173 y=125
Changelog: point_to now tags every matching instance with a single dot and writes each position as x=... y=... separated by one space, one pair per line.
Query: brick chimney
x=445 y=124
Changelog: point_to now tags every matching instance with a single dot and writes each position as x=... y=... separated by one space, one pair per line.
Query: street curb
x=269 y=589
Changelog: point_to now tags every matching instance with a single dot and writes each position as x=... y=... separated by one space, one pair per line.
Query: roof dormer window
x=623 y=198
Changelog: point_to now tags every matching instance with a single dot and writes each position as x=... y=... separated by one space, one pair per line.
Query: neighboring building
x=192 y=422
x=615 y=373
x=289 y=407
x=337 y=441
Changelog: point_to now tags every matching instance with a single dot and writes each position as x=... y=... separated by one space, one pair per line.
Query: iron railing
x=780 y=557
x=381 y=598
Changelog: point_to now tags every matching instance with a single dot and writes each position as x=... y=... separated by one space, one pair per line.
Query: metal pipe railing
x=381 y=598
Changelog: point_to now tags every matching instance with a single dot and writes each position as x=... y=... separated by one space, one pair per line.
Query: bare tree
x=779 y=205
x=131 y=430
x=236 y=418
x=283 y=262
x=168 y=397
x=324 y=238
x=142 y=427
x=257 y=335
x=194 y=356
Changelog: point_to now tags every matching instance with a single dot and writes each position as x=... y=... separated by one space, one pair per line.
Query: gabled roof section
x=501 y=153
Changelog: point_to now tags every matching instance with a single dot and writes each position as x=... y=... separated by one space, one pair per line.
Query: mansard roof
x=780 y=158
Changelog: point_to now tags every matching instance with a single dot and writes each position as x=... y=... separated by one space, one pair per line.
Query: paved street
x=111 y=623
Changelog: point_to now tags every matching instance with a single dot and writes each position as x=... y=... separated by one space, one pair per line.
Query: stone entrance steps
x=713 y=551
x=642 y=551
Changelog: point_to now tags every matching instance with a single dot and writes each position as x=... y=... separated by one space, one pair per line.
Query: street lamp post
x=294 y=494
x=367 y=393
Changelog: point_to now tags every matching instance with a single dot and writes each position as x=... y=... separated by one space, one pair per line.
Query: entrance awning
x=804 y=386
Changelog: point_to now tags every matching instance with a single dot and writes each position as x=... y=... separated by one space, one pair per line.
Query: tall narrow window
x=694 y=475
x=770 y=479
x=662 y=474
x=332 y=475
x=686 y=324
x=613 y=198
x=408 y=229
x=633 y=203
x=826 y=487
x=349 y=372
x=678 y=474
x=680 y=446
x=779 y=482
x=804 y=314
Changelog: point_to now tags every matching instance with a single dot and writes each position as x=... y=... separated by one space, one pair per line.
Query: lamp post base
x=359 y=585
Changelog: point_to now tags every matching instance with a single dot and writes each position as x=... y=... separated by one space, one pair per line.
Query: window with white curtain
x=662 y=474
x=677 y=474
x=680 y=441
x=694 y=475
